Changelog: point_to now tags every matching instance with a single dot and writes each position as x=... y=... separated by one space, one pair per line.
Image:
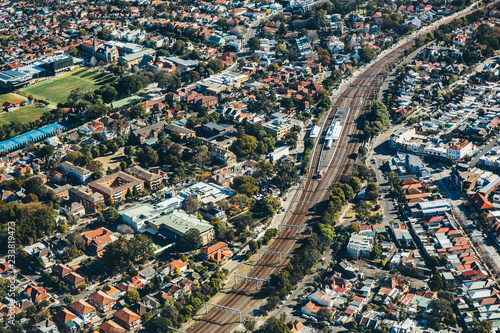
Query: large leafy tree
x=123 y=253
x=245 y=145
x=246 y=185
x=286 y=175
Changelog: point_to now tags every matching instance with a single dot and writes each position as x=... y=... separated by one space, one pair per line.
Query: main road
x=352 y=100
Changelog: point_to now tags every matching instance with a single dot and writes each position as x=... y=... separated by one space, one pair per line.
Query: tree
x=147 y=156
x=138 y=111
x=367 y=54
x=128 y=85
x=111 y=215
x=483 y=326
x=348 y=191
x=325 y=314
x=160 y=324
x=272 y=303
x=192 y=238
x=362 y=151
x=129 y=150
x=178 y=47
x=286 y=175
x=108 y=93
x=72 y=51
x=69 y=299
x=132 y=296
x=169 y=81
x=264 y=169
x=372 y=192
x=353 y=227
x=36 y=186
x=275 y=325
x=191 y=204
x=286 y=102
x=355 y=184
x=246 y=185
x=104 y=34
x=250 y=324
x=245 y=145
x=254 y=43
x=436 y=283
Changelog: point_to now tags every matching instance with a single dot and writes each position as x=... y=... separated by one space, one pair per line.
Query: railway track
x=357 y=97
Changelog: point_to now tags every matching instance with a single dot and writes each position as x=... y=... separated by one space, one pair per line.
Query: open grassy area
x=24 y=114
x=125 y=101
x=57 y=89
x=9 y=98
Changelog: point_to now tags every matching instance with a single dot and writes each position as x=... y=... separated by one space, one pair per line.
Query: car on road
x=314 y=319
x=305 y=316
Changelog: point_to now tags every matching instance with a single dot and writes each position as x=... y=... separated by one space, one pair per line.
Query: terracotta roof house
x=35 y=294
x=74 y=279
x=178 y=264
x=128 y=319
x=61 y=270
x=83 y=310
x=67 y=321
x=111 y=327
x=102 y=301
x=96 y=240
x=217 y=252
x=111 y=291
x=482 y=203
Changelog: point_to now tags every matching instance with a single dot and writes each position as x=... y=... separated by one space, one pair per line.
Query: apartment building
x=82 y=174
x=151 y=180
x=93 y=202
x=359 y=246
x=116 y=185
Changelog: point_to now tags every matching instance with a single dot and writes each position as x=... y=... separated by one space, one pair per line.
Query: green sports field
x=24 y=114
x=57 y=89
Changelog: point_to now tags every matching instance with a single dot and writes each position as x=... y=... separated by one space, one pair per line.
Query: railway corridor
x=353 y=101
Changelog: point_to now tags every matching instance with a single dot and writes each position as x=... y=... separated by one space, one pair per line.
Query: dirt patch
x=112 y=160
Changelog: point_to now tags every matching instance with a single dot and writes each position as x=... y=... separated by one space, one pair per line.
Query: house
x=217 y=252
x=127 y=319
x=83 y=310
x=12 y=105
x=96 y=240
x=35 y=294
x=181 y=265
x=75 y=280
x=147 y=273
x=482 y=203
x=102 y=301
x=311 y=309
x=46 y=326
x=61 y=270
x=111 y=326
x=68 y=321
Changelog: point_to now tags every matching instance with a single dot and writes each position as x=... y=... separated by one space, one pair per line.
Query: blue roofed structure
x=32 y=136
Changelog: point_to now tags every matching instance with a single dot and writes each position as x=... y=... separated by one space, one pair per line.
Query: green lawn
x=125 y=101
x=57 y=89
x=24 y=114
x=9 y=98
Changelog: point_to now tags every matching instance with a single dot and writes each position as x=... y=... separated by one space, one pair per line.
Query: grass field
x=57 y=89
x=125 y=101
x=24 y=114
x=9 y=98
